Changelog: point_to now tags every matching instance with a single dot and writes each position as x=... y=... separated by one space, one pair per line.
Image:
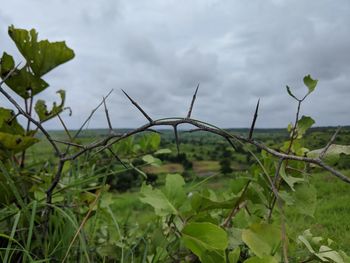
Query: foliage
x=245 y=221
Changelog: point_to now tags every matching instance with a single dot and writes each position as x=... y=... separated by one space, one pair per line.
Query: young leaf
x=44 y=114
x=290 y=93
x=310 y=83
x=303 y=125
x=262 y=239
x=42 y=56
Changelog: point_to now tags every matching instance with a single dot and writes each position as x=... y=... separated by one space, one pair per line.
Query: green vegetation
x=139 y=196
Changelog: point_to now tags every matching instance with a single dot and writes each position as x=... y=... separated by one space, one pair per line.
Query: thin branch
x=192 y=102
x=254 y=120
x=138 y=107
x=64 y=127
x=117 y=157
x=26 y=115
x=69 y=143
x=330 y=143
x=239 y=204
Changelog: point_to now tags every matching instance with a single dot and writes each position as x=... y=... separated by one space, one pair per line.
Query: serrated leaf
x=203 y=237
x=42 y=56
x=290 y=93
x=310 y=83
x=42 y=111
x=262 y=239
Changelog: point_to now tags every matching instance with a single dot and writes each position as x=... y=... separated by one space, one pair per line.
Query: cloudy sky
x=158 y=50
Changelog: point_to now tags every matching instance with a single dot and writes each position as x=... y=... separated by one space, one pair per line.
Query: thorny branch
x=112 y=138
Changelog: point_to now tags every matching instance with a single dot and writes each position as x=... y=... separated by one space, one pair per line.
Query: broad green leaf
x=265 y=259
x=203 y=237
x=168 y=201
x=15 y=143
x=290 y=93
x=42 y=56
x=23 y=81
x=263 y=239
x=7 y=63
x=310 y=83
x=216 y=256
x=234 y=255
x=290 y=180
x=158 y=200
x=42 y=111
x=150 y=142
x=328 y=253
x=9 y=124
x=303 y=125
x=203 y=203
x=305 y=199
x=174 y=189
x=149 y=159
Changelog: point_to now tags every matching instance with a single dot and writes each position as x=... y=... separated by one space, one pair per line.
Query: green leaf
x=333 y=152
x=266 y=259
x=305 y=199
x=303 y=125
x=23 y=81
x=310 y=83
x=290 y=180
x=44 y=114
x=168 y=201
x=290 y=93
x=7 y=63
x=234 y=255
x=42 y=56
x=203 y=203
x=158 y=200
x=150 y=142
x=203 y=237
x=328 y=253
x=9 y=124
x=262 y=239
x=174 y=189
x=149 y=159
x=15 y=143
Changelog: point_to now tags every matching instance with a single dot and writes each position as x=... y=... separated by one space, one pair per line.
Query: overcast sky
x=158 y=50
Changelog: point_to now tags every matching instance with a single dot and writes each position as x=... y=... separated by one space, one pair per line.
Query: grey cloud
x=159 y=50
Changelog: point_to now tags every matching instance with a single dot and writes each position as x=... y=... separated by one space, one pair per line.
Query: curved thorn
x=192 y=102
